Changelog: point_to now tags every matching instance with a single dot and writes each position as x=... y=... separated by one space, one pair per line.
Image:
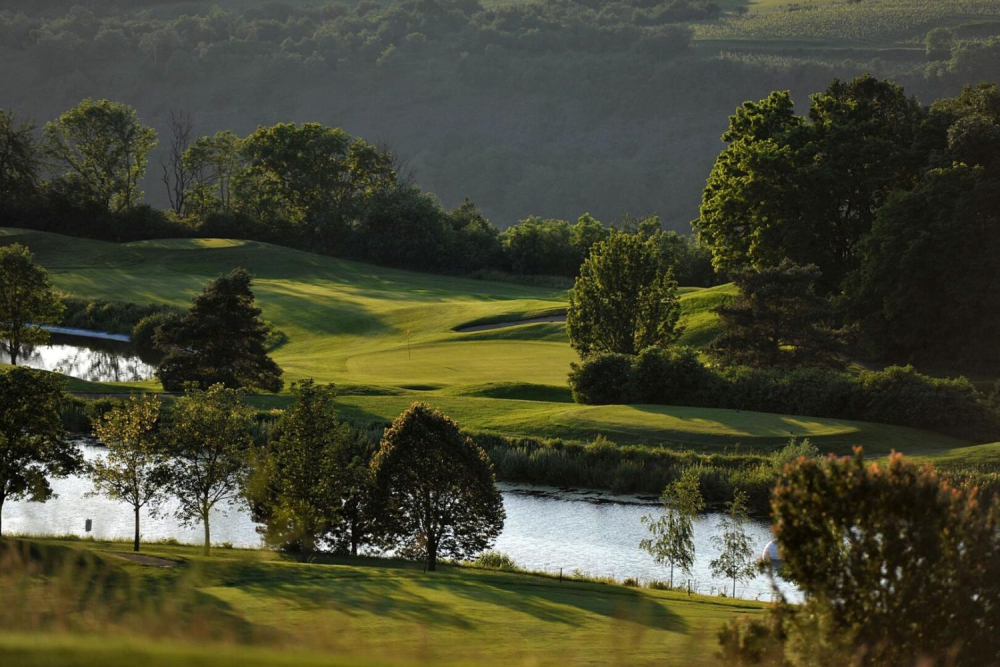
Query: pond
x=87 y=358
x=546 y=529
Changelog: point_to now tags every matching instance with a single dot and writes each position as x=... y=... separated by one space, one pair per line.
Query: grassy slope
x=348 y=322
x=363 y=611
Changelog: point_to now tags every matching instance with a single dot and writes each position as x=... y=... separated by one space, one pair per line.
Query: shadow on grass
x=402 y=591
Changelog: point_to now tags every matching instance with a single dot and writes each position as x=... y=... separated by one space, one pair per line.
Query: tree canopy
x=777 y=321
x=27 y=301
x=103 y=148
x=33 y=446
x=313 y=479
x=623 y=301
x=208 y=441
x=436 y=493
x=221 y=339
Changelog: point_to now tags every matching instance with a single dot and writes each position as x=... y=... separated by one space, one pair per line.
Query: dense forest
x=550 y=109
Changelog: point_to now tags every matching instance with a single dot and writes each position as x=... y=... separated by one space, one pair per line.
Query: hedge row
x=897 y=395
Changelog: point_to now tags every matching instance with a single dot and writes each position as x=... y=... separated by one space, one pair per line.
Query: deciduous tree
x=26 y=301
x=672 y=533
x=102 y=146
x=310 y=485
x=134 y=469
x=436 y=491
x=736 y=560
x=623 y=301
x=209 y=441
x=33 y=446
x=20 y=158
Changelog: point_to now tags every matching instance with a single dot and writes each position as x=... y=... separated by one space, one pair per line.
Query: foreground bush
x=897 y=567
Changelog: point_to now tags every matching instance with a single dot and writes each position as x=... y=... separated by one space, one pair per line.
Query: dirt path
x=504 y=325
x=152 y=561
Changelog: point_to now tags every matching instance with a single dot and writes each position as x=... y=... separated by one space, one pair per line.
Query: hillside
x=357 y=612
x=527 y=107
x=348 y=323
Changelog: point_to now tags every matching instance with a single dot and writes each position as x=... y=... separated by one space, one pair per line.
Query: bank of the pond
x=547 y=529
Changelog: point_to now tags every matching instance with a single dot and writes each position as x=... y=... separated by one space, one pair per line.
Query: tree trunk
x=135 y=546
x=15 y=351
x=354 y=540
x=734 y=586
x=1 y=515
x=432 y=556
x=208 y=537
x=671 y=575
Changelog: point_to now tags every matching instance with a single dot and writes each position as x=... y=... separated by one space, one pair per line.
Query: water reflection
x=88 y=359
x=546 y=529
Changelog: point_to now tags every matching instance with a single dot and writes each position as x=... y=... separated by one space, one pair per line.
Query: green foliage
x=20 y=158
x=736 y=558
x=26 y=301
x=623 y=302
x=134 y=470
x=102 y=147
x=924 y=291
x=436 y=493
x=808 y=191
x=33 y=447
x=896 y=395
x=495 y=560
x=311 y=486
x=672 y=533
x=891 y=558
x=220 y=340
x=777 y=321
x=119 y=317
x=208 y=439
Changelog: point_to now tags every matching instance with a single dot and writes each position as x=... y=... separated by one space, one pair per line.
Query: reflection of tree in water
x=88 y=359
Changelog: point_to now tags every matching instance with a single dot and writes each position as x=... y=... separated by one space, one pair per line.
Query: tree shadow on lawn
x=443 y=598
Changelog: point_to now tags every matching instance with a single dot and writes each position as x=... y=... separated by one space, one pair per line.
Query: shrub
x=144 y=331
x=603 y=379
x=495 y=560
x=896 y=395
x=670 y=376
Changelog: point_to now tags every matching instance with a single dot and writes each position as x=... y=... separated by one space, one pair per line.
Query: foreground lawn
x=363 y=611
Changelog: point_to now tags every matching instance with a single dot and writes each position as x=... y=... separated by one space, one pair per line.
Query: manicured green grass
x=349 y=323
x=360 y=611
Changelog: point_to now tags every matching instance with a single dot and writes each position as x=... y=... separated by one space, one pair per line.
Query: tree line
x=304 y=185
x=426 y=490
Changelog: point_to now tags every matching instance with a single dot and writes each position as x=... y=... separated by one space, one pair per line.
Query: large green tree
x=26 y=301
x=209 y=442
x=221 y=339
x=312 y=481
x=102 y=148
x=308 y=173
x=33 y=446
x=671 y=538
x=901 y=565
x=435 y=487
x=927 y=291
x=623 y=301
x=134 y=468
x=777 y=321
x=20 y=158
x=808 y=190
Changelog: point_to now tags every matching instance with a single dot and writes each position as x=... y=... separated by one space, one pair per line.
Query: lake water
x=546 y=529
x=92 y=359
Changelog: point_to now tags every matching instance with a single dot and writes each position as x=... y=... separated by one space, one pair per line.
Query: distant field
x=868 y=22
x=346 y=612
